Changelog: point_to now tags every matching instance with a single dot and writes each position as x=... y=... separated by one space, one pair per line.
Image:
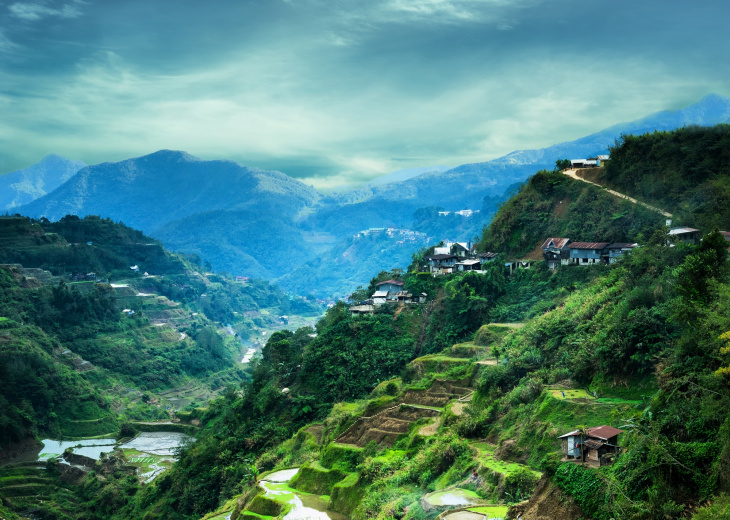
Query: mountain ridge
x=257 y=205
x=23 y=186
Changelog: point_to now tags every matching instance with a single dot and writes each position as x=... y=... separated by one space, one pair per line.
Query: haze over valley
x=381 y=260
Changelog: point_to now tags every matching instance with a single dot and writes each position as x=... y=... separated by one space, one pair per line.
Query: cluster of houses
x=561 y=251
x=457 y=256
x=389 y=291
x=464 y=213
x=405 y=235
x=557 y=251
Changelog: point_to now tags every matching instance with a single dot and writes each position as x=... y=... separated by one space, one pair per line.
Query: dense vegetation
x=552 y=205
x=70 y=359
x=685 y=171
x=643 y=343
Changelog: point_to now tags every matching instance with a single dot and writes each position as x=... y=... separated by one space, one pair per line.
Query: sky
x=338 y=92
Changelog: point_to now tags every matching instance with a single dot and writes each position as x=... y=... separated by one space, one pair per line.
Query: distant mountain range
x=23 y=186
x=265 y=224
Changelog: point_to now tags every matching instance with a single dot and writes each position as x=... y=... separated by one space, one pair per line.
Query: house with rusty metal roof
x=555 y=252
x=587 y=253
x=597 y=446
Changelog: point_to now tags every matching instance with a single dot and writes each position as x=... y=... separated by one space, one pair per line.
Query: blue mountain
x=261 y=223
x=23 y=186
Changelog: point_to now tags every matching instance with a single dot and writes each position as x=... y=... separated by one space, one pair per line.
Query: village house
x=469 y=264
x=390 y=286
x=555 y=251
x=587 y=253
x=583 y=163
x=602 y=160
x=387 y=292
x=460 y=249
x=686 y=235
x=597 y=446
x=442 y=263
x=406 y=297
x=617 y=249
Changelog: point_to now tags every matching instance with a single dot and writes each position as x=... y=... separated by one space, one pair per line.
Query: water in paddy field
x=158 y=443
x=304 y=506
x=91 y=448
x=159 y=447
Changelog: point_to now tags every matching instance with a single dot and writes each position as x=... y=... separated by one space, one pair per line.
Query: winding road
x=573 y=175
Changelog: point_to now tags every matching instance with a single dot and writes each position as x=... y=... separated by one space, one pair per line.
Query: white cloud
x=5 y=44
x=36 y=11
x=268 y=107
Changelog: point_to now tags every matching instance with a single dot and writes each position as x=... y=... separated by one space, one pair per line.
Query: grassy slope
x=552 y=205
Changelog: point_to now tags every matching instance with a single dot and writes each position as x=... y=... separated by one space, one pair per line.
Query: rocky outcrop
x=546 y=503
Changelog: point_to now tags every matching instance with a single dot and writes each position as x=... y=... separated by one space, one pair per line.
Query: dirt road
x=572 y=174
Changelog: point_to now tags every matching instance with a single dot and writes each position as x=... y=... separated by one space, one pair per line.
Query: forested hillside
x=685 y=171
x=646 y=335
x=415 y=410
x=69 y=356
x=550 y=204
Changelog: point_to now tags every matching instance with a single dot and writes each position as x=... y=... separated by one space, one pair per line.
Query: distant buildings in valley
x=405 y=235
x=464 y=213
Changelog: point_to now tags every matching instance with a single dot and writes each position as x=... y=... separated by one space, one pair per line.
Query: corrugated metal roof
x=604 y=157
x=380 y=294
x=599 y=432
x=593 y=445
x=622 y=245
x=558 y=243
x=487 y=255
x=441 y=257
x=468 y=262
x=604 y=432
x=682 y=230
x=587 y=245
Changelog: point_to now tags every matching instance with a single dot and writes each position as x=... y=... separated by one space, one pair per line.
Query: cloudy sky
x=337 y=91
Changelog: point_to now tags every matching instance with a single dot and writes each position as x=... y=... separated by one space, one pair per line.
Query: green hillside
x=551 y=204
x=685 y=171
x=455 y=406
x=74 y=365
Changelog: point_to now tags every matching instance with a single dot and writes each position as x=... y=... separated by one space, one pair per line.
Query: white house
x=686 y=235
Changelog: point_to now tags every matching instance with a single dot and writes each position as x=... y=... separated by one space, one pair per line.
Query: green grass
x=491 y=511
x=578 y=393
x=440 y=358
x=250 y=515
x=486 y=457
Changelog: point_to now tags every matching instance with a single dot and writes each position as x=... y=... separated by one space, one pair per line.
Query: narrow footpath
x=573 y=175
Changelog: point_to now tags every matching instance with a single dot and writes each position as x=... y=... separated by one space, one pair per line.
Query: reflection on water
x=158 y=447
x=304 y=505
x=87 y=447
x=285 y=475
x=158 y=443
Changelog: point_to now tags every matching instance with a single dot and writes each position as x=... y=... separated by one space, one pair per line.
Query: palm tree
x=583 y=432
